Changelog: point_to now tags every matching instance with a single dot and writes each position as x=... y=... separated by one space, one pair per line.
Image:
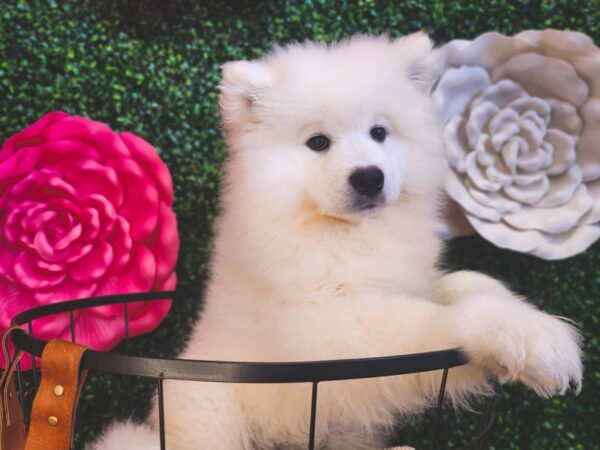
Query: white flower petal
x=477 y=176
x=549 y=152
x=569 y=244
x=551 y=75
x=528 y=178
x=450 y=54
x=510 y=154
x=576 y=48
x=593 y=215
x=534 y=116
x=530 y=131
x=558 y=42
x=495 y=200
x=528 y=103
x=535 y=119
x=479 y=117
x=564 y=151
x=504 y=236
x=562 y=188
x=486 y=156
x=501 y=94
x=530 y=194
x=456 y=88
x=553 y=220
x=506 y=116
x=456 y=190
x=503 y=133
x=564 y=117
x=588 y=150
x=497 y=173
x=536 y=159
x=455 y=150
x=588 y=68
x=487 y=50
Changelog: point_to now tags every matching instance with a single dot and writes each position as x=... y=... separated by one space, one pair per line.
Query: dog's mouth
x=357 y=208
x=367 y=205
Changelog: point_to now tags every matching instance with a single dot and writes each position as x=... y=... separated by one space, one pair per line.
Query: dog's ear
x=242 y=84
x=419 y=58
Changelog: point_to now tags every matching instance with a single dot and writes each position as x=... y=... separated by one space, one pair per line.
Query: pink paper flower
x=84 y=211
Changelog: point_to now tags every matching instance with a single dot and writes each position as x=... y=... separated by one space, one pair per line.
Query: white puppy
x=326 y=248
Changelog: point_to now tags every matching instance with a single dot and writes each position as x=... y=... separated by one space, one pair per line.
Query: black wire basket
x=161 y=369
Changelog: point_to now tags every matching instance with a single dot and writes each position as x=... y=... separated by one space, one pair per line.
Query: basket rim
x=226 y=371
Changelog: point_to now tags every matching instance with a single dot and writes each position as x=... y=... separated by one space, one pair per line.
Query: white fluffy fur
x=298 y=274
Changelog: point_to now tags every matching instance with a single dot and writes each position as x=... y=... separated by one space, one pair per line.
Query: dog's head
x=341 y=129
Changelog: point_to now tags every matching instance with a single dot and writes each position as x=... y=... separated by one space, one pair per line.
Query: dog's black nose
x=367 y=180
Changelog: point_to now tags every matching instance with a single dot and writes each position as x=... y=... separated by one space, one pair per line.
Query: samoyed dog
x=326 y=247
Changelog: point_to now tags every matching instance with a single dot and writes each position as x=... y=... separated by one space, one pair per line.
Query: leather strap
x=12 y=422
x=53 y=413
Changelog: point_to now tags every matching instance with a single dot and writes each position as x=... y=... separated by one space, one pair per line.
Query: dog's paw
x=550 y=360
x=517 y=342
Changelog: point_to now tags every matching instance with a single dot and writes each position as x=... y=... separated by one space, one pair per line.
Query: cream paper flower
x=521 y=121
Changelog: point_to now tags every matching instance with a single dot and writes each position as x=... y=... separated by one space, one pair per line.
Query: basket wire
x=312 y=372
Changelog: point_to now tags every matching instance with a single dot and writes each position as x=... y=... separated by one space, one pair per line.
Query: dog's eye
x=318 y=143
x=378 y=134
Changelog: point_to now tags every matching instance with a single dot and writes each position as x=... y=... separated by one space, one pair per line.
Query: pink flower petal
x=165 y=244
x=121 y=243
x=27 y=274
x=145 y=316
x=148 y=158
x=99 y=333
x=140 y=205
x=7 y=257
x=68 y=209
x=92 y=178
x=46 y=250
x=29 y=136
x=57 y=156
x=90 y=132
x=70 y=236
x=106 y=212
x=54 y=326
x=14 y=300
x=94 y=265
x=13 y=225
x=50 y=266
x=168 y=284
x=148 y=315
x=90 y=218
x=138 y=277
x=42 y=184
x=60 y=155
x=43 y=218
x=78 y=250
x=67 y=290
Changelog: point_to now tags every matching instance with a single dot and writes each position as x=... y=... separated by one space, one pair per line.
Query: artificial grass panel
x=152 y=67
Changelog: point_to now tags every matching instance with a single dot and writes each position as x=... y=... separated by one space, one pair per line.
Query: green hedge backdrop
x=152 y=67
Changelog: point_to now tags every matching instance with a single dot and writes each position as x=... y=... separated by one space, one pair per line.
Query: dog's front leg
x=452 y=287
x=509 y=337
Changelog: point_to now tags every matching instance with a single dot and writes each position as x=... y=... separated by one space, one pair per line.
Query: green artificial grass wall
x=152 y=67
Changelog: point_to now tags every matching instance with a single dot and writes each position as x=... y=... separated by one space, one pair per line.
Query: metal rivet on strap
x=58 y=390
x=53 y=420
